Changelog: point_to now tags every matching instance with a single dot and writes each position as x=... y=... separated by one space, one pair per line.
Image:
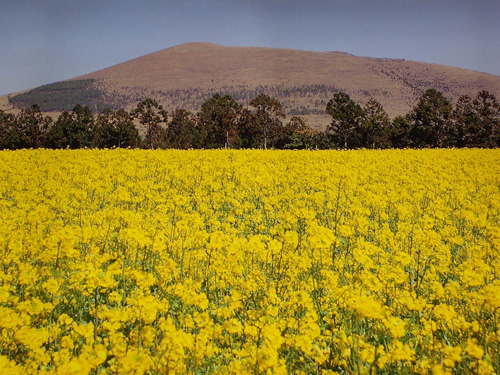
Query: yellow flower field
x=250 y=262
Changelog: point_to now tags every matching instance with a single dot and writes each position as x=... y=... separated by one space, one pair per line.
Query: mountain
x=186 y=75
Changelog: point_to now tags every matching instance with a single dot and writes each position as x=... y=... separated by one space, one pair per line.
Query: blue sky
x=45 y=41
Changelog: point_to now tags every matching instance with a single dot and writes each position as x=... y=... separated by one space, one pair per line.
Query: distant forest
x=61 y=96
x=224 y=123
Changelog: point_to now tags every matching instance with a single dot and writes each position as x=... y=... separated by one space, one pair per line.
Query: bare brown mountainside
x=186 y=75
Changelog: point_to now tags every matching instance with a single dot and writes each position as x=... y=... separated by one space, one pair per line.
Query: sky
x=45 y=41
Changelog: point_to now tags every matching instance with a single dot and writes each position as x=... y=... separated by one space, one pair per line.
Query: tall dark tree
x=347 y=117
x=9 y=137
x=374 y=126
x=431 y=119
x=247 y=130
x=464 y=131
x=217 y=121
x=268 y=119
x=31 y=127
x=476 y=122
x=487 y=111
x=182 y=132
x=72 y=129
x=115 y=129
x=153 y=117
x=60 y=135
x=83 y=126
x=399 y=132
x=298 y=135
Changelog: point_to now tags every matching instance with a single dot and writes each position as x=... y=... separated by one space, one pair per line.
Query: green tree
x=347 y=117
x=83 y=126
x=31 y=127
x=115 y=129
x=60 y=135
x=431 y=119
x=182 y=132
x=152 y=116
x=476 y=122
x=248 y=133
x=8 y=134
x=399 y=132
x=268 y=119
x=464 y=132
x=298 y=135
x=487 y=113
x=72 y=129
x=217 y=121
x=374 y=126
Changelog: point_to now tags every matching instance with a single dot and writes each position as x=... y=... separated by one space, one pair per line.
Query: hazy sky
x=44 y=41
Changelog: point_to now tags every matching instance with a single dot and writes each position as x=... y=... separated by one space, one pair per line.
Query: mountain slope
x=186 y=75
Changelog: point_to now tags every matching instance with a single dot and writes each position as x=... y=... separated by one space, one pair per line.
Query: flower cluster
x=249 y=262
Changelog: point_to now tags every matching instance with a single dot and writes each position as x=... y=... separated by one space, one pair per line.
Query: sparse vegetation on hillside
x=296 y=100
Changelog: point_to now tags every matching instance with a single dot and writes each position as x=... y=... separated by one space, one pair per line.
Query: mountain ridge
x=185 y=75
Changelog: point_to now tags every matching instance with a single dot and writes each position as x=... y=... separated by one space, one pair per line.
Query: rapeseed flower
x=249 y=262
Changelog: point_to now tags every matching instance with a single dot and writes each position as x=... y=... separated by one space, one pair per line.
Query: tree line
x=223 y=123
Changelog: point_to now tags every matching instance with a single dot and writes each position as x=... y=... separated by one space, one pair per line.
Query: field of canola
x=250 y=262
